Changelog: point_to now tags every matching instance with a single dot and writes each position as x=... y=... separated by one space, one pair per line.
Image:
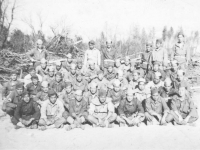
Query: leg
x=42 y=123
x=92 y=119
x=59 y=122
x=148 y=118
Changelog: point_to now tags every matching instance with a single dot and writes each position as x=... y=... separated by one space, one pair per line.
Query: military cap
x=58 y=74
x=109 y=41
x=92 y=42
x=43 y=60
x=34 y=77
x=159 y=41
x=93 y=84
x=14 y=72
x=141 y=80
x=19 y=85
x=58 y=63
x=174 y=62
x=149 y=43
x=156 y=63
x=116 y=82
x=109 y=64
x=181 y=72
x=130 y=91
x=25 y=92
x=158 y=74
x=73 y=66
x=78 y=92
x=154 y=91
x=69 y=55
x=51 y=68
x=52 y=93
x=44 y=84
x=173 y=93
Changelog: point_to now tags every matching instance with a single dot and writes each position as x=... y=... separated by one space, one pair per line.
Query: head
x=120 y=75
x=91 y=44
x=51 y=71
x=100 y=75
x=158 y=43
x=19 y=88
x=79 y=64
x=69 y=58
x=180 y=37
x=58 y=65
x=108 y=44
x=26 y=97
x=117 y=63
x=58 y=76
x=39 y=44
x=69 y=87
x=78 y=95
x=157 y=77
x=148 y=46
x=129 y=94
x=73 y=68
x=93 y=88
x=13 y=76
x=174 y=65
x=102 y=95
x=155 y=66
x=110 y=69
x=91 y=65
x=182 y=92
x=154 y=94
x=136 y=75
x=180 y=75
x=52 y=96
x=127 y=60
x=43 y=63
x=79 y=77
x=45 y=86
x=116 y=85
x=168 y=84
x=34 y=79
x=141 y=84
x=32 y=71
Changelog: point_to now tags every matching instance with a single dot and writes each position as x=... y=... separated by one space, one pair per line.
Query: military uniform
x=57 y=86
x=151 y=74
x=116 y=97
x=33 y=89
x=9 y=87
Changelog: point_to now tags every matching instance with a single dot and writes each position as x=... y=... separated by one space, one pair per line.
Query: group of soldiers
x=102 y=90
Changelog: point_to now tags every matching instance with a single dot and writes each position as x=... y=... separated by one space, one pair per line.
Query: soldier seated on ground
x=42 y=95
x=130 y=110
x=27 y=113
x=51 y=112
x=101 y=111
x=101 y=81
x=11 y=102
x=156 y=109
x=10 y=86
x=92 y=92
x=50 y=74
x=80 y=82
x=183 y=110
x=77 y=111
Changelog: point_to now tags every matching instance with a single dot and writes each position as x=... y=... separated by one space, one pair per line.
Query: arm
x=17 y=112
x=36 y=115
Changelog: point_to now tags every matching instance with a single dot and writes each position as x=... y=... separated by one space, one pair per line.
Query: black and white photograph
x=99 y=74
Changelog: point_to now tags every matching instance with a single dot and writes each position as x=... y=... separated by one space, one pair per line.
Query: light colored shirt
x=93 y=55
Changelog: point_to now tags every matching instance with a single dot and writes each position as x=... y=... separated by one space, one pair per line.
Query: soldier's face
x=13 y=77
x=135 y=76
x=167 y=87
x=19 y=91
x=156 y=80
x=73 y=70
x=35 y=81
x=102 y=99
x=93 y=90
x=26 y=98
x=116 y=88
x=32 y=72
x=53 y=99
x=69 y=60
x=174 y=66
x=148 y=48
x=182 y=91
x=180 y=38
x=109 y=45
x=92 y=66
x=58 y=67
x=39 y=46
x=43 y=65
x=127 y=62
x=129 y=97
x=180 y=76
x=155 y=96
x=78 y=97
x=45 y=89
x=100 y=76
x=91 y=46
x=120 y=77
x=58 y=78
x=156 y=67
x=158 y=45
x=79 y=65
x=68 y=89
x=110 y=69
x=79 y=78
x=117 y=63
x=51 y=73
x=141 y=86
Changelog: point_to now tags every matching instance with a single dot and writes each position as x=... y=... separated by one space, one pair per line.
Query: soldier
x=156 y=109
x=79 y=66
x=67 y=63
x=151 y=74
x=156 y=83
x=61 y=69
x=110 y=74
x=182 y=80
x=58 y=84
x=101 y=81
x=134 y=80
x=27 y=113
x=71 y=76
x=77 y=112
x=92 y=93
x=91 y=72
x=92 y=54
x=183 y=110
x=32 y=72
x=118 y=65
x=101 y=111
x=180 y=52
x=142 y=92
x=34 y=87
x=42 y=95
x=116 y=94
x=160 y=54
x=120 y=76
x=80 y=83
x=51 y=112
x=146 y=56
x=10 y=85
x=172 y=72
x=51 y=75
x=42 y=68
x=130 y=110
x=38 y=53
x=10 y=103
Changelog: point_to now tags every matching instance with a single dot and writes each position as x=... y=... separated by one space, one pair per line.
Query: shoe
x=82 y=127
x=110 y=125
x=68 y=128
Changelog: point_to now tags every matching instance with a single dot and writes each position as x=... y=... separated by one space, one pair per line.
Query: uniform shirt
x=96 y=107
x=116 y=96
x=70 y=77
x=41 y=71
x=27 y=109
x=52 y=110
x=57 y=86
x=14 y=97
x=129 y=108
x=37 y=54
x=8 y=87
x=33 y=89
x=151 y=74
x=159 y=106
x=90 y=97
x=160 y=55
x=146 y=57
x=93 y=55
x=75 y=109
x=142 y=95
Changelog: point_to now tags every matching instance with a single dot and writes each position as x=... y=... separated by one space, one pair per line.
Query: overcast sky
x=89 y=17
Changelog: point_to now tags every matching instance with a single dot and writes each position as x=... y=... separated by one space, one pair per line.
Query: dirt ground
x=141 y=138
